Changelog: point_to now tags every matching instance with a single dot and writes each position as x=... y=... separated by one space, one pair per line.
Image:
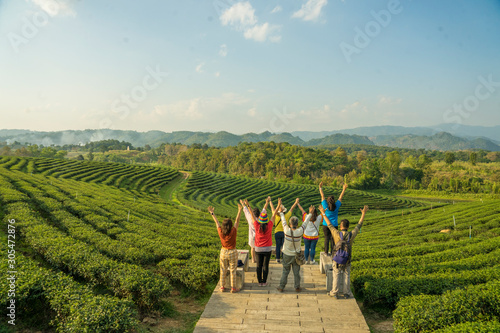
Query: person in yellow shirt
x=279 y=235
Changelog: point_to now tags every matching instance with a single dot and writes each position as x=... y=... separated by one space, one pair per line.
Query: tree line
x=365 y=167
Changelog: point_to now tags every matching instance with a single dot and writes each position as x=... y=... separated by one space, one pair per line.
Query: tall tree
x=473 y=158
x=449 y=158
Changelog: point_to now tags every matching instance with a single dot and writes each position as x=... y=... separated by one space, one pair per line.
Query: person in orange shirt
x=228 y=252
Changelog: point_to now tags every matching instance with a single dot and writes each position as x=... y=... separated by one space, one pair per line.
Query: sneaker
x=279 y=289
x=222 y=289
x=313 y=262
x=234 y=290
x=333 y=295
x=298 y=290
x=278 y=261
x=307 y=262
x=264 y=284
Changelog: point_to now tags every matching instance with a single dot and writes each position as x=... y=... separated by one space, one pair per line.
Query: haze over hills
x=390 y=136
x=466 y=131
x=434 y=142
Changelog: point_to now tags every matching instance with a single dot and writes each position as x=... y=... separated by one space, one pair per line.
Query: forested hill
x=440 y=141
x=435 y=142
x=156 y=138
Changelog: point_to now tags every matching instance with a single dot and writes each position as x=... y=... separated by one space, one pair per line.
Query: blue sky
x=248 y=66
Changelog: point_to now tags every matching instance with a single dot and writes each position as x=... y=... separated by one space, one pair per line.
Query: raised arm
x=301 y=209
x=268 y=200
x=237 y=221
x=247 y=211
x=308 y=217
x=321 y=191
x=343 y=191
x=294 y=205
x=357 y=229
x=322 y=211
x=255 y=218
x=211 y=211
x=278 y=208
x=271 y=204
x=363 y=213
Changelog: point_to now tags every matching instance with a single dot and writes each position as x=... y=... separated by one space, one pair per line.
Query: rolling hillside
x=118 y=250
x=391 y=136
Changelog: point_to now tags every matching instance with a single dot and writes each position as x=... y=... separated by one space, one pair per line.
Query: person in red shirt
x=228 y=252
x=264 y=243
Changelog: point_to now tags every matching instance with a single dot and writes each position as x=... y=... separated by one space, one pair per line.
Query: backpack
x=343 y=250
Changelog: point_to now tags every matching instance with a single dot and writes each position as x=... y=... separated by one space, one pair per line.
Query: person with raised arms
x=292 y=246
x=332 y=211
x=263 y=243
x=279 y=235
x=228 y=253
x=311 y=234
x=341 y=261
x=251 y=216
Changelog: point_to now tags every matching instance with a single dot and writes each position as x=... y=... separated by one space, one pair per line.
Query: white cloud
x=276 y=9
x=275 y=39
x=198 y=108
x=189 y=109
x=311 y=10
x=261 y=33
x=240 y=15
x=223 y=50
x=389 y=100
x=199 y=68
x=252 y=112
x=55 y=8
x=217 y=74
x=349 y=112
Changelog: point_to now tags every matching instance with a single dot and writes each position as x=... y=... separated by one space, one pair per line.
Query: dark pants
x=279 y=237
x=328 y=240
x=263 y=266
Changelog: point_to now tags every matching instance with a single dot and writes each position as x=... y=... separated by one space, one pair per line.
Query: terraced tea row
x=144 y=179
x=398 y=258
x=137 y=247
x=134 y=247
x=223 y=191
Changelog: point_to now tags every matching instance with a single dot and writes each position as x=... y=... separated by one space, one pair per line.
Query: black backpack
x=343 y=250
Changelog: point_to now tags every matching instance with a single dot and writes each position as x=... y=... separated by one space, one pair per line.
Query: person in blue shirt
x=332 y=212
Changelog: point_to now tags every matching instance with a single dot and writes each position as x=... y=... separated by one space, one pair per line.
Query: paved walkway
x=264 y=309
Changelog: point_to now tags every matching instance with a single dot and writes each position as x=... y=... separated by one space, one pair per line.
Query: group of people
x=288 y=239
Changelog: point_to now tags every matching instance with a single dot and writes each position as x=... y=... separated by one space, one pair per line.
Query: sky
x=248 y=66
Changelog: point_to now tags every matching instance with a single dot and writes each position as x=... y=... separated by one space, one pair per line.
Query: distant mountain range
x=438 y=141
x=390 y=136
x=465 y=131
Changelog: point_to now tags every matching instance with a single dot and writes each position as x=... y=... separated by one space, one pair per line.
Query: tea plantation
x=99 y=248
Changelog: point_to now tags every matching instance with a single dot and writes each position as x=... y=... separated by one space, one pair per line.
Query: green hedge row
x=76 y=307
x=426 y=313
x=473 y=327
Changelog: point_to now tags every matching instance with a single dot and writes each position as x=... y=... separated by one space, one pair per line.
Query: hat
x=263 y=218
x=283 y=208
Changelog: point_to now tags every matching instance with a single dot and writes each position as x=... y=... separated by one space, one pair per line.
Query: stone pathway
x=264 y=309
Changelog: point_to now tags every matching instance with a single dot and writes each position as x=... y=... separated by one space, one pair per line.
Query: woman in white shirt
x=311 y=235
